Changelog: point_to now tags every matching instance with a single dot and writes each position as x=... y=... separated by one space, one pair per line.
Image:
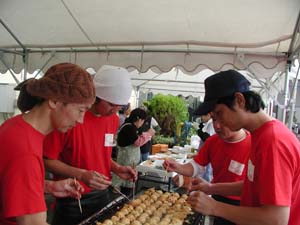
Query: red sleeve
x=53 y=144
x=202 y=158
x=23 y=187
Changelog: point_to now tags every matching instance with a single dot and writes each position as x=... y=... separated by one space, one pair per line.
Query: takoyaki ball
x=152 y=207
x=139 y=209
x=136 y=223
x=120 y=214
x=143 y=197
x=135 y=202
x=159 y=192
x=177 y=206
x=154 y=219
x=166 y=219
x=144 y=215
x=107 y=222
x=125 y=221
x=128 y=207
x=135 y=213
x=131 y=217
x=125 y=211
x=158 y=214
x=176 y=195
x=163 y=209
x=154 y=196
x=186 y=208
x=180 y=201
x=148 y=202
x=149 y=191
x=172 y=199
x=167 y=194
x=142 y=219
x=115 y=219
x=148 y=211
x=143 y=206
x=184 y=196
x=163 y=198
x=158 y=202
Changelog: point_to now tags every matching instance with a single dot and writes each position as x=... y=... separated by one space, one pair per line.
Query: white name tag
x=236 y=167
x=250 y=172
x=109 y=140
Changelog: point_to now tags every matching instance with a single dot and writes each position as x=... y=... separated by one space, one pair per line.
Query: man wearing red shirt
x=271 y=190
x=85 y=151
x=228 y=153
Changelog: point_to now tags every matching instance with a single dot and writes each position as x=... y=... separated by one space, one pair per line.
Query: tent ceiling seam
x=78 y=24
x=166 y=43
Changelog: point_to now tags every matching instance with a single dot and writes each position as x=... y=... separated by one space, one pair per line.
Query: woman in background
x=129 y=142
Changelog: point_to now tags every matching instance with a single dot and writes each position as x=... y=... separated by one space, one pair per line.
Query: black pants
x=67 y=210
x=219 y=220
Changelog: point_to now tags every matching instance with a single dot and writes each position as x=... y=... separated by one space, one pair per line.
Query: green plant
x=159 y=139
x=169 y=111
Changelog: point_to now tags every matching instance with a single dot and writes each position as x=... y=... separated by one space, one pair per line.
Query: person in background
x=129 y=142
x=270 y=192
x=206 y=129
x=150 y=122
x=124 y=112
x=227 y=151
x=84 y=152
x=58 y=101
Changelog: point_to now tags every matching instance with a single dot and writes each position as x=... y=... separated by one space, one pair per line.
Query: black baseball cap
x=220 y=85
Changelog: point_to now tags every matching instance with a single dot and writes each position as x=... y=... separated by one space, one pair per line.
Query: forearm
x=185 y=169
x=62 y=169
x=226 y=189
x=264 y=215
x=32 y=219
x=114 y=166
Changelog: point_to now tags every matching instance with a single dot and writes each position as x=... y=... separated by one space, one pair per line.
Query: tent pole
x=292 y=101
x=286 y=91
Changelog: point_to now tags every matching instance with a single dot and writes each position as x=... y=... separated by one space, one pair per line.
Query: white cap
x=113 y=84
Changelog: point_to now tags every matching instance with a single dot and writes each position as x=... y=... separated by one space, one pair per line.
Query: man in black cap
x=270 y=191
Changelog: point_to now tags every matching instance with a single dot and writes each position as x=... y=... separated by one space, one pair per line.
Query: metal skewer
x=133 y=188
x=79 y=203
x=118 y=191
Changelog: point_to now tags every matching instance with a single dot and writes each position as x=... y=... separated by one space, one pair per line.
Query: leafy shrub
x=169 y=111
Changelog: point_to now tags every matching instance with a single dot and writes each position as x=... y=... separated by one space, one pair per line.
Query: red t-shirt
x=21 y=170
x=273 y=176
x=87 y=145
x=228 y=160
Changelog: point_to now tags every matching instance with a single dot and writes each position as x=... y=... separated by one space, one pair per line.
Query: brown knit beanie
x=65 y=82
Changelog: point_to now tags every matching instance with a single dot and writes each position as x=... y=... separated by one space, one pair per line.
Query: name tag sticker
x=109 y=140
x=236 y=167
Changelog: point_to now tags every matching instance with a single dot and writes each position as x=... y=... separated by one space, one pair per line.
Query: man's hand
x=201 y=202
x=199 y=184
x=170 y=165
x=64 y=188
x=95 y=180
x=126 y=173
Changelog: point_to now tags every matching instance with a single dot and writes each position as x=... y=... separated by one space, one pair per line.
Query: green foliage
x=159 y=139
x=169 y=111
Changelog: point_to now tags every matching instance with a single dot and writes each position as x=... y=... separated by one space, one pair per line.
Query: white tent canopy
x=258 y=35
